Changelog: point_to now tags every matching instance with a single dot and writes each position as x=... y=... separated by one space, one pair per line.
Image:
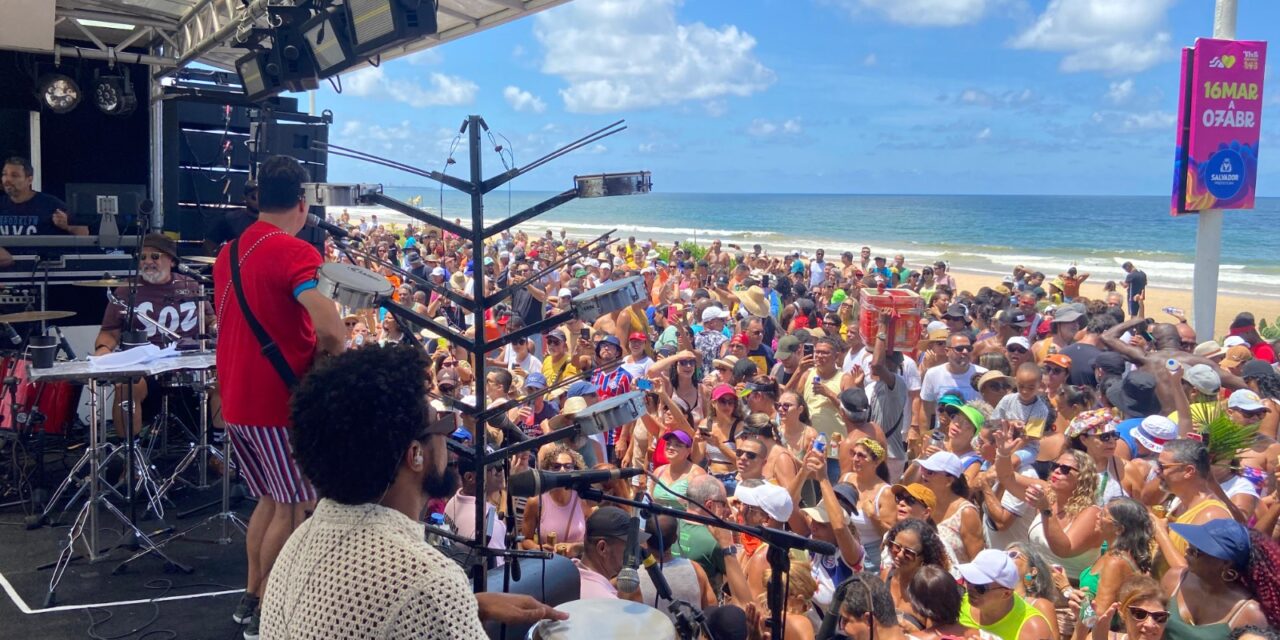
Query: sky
x=1073 y=97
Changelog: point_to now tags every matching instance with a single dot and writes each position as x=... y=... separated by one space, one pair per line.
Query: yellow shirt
x=1189 y=517
x=552 y=370
x=824 y=415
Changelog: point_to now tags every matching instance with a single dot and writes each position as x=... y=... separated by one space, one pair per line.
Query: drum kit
x=38 y=411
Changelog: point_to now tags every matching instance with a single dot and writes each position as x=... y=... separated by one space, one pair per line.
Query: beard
x=153 y=275
x=443 y=484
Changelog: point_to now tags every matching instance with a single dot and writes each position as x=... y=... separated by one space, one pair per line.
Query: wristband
x=731 y=550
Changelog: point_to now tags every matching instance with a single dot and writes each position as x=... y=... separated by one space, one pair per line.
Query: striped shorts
x=266 y=461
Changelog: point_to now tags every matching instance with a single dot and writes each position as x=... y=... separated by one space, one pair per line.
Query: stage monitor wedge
x=377 y=25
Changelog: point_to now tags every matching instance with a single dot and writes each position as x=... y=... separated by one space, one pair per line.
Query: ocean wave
x=1157 y=266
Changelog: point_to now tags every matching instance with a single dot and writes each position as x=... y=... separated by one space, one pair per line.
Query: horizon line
x=832 y=193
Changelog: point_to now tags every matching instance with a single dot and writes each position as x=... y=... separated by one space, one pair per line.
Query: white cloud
x=1131 y=122
x=920 y=13
x=984 y=134
x=440 y=91
x=762 y=128
x=430 y=55
x=1101 y=35
x=618 y=55
x=1011 y=98
x=716 y=108
x=522 y=100
x=870 y=60
x=1120 y=92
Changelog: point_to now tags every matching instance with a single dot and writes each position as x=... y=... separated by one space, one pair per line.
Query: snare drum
x=605 y=618
x=351 y=286
x=56 y=401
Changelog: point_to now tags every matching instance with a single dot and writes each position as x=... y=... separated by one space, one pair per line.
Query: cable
x=165 y=586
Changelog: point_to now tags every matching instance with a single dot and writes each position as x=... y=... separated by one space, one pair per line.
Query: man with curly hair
x=359 y=566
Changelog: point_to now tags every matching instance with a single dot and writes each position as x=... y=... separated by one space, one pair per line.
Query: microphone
x=193 y=273
x=629 y=577
x=63 y=344
x=534 y=482
x=11 y=334
x=659 y=580
x=334 y=230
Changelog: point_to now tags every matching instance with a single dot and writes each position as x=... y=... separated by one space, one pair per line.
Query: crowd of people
x=1039 y=465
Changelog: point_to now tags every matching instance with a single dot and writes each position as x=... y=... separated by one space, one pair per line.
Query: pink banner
x=1219 y=122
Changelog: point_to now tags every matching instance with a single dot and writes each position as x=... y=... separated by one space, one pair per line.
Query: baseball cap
x=683 y=437
x=1059 y=359
x=854 y=400
x=1237 y=355
x=721 y=391
x=714 y=313
x=787 y=347
x=1223 y=538
x=581 y=388
x=819 y=513
x=1203 y=378
x=611 y=522
x=535 y=380
x=740 y=338
x=918 y=491
x=1013 y=318
x=1245 y=400
x=944 y=462
x=956 y=310
x=1110 y=362
x=1234 y=341
x=558 y=334
x=1154 y=431
x=774 y=500
x=1068 y=313
x=446 y=377
x=636 y=335
x=1256 y=369
x=990 y=566
x=437 y=271
x=1018 y=340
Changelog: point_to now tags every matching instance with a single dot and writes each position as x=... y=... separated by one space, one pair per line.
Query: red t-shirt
x=274 y=268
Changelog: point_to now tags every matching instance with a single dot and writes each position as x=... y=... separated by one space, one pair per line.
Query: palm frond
x=1226 y=438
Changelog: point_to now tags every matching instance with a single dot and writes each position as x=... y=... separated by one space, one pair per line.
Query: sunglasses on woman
x=1015 y=349
x=1064 y=469
x=1107 y=437
x=561 y=467
x=1139 y=614
x=1054 y=371
x=907 y=552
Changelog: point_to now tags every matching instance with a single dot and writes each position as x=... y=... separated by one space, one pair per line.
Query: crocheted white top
x=365 y=571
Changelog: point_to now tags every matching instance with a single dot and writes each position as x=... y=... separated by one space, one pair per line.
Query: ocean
x=980 y=234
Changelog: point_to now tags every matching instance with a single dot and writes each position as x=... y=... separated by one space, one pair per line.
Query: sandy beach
x=1158 y=298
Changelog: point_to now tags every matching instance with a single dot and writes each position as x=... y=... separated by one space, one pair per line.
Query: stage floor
x=145 y=600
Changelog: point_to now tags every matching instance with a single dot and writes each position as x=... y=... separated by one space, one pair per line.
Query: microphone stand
x=780 y=545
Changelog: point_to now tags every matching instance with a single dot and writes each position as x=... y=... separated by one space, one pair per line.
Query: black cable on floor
x=165 y=585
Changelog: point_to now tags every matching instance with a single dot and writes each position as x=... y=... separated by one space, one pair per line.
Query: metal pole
x=479 y=571
x=1204 y=292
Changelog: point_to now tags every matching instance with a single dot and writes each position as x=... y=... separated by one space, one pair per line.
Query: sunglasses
x=1139 y=614
x=861 y=455
x=979 y=589
x=1108 y=437
x=1015 y=349
x=963 y=348
x=784 y=406
x=1066 y=469
x=555 y=341
x=561 y=467
x=727 y=400
x=910 y=500
x=750 y=455
x=150 y=256
x=686 y=363
x=907 y=553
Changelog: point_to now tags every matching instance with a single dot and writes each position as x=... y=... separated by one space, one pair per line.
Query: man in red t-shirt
x=278 y=272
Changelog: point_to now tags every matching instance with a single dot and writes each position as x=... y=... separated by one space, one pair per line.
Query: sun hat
x=918 y=491
x=1154 y=431
x=1093 y=422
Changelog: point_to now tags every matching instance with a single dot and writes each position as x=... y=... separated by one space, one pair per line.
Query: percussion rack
x=588 y=306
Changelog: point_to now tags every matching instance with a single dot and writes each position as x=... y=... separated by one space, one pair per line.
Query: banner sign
x=1219 y=122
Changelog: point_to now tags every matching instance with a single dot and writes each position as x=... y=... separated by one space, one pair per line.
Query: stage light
x=291 y=59
x=613 y=184
x=58 y=93
x=379 y=24
x=607 y=298
x=114 y=94
x=330 y=41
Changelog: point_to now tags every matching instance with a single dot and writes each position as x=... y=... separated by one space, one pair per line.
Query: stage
x=197 y=606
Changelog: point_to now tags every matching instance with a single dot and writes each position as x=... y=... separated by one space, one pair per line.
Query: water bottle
x=1172 y=366
x=1173 y=311
x=1088 y=616
x=435 y=520
x=820 y=443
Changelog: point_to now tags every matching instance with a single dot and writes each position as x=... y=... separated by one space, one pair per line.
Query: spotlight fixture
x=57 y=92
x=380 y=24
x=256 y=77
x=114 y=94
x=329 y=38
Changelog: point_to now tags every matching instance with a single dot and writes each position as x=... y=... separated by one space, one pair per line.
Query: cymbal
x=200 y=259
x=35 y=316
x=105 y=282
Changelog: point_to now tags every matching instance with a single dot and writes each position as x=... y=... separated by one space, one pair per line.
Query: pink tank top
x=568 y=521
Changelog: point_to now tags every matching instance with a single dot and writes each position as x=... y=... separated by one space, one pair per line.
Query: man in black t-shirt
x=1135 y=283
x=26 y=212
x=234 y=222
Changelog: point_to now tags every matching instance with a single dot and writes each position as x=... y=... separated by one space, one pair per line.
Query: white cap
x=819 y=513
x=593 y=263
x=1203 y=378
x=648 y=270
x=1154 y=431
x=564 y=293
x=774 y=500
x=944 y=462
x=936 y=325
x=606 y=265
x=1245 y=400
x=990 y=566
x=1018 y=340
x=714 y=313
x=1233 y=341
x=438 y=271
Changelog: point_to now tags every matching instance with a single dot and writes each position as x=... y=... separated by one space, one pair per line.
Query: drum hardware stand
x=88 y=516
x=199 y=453
x=226 y=517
